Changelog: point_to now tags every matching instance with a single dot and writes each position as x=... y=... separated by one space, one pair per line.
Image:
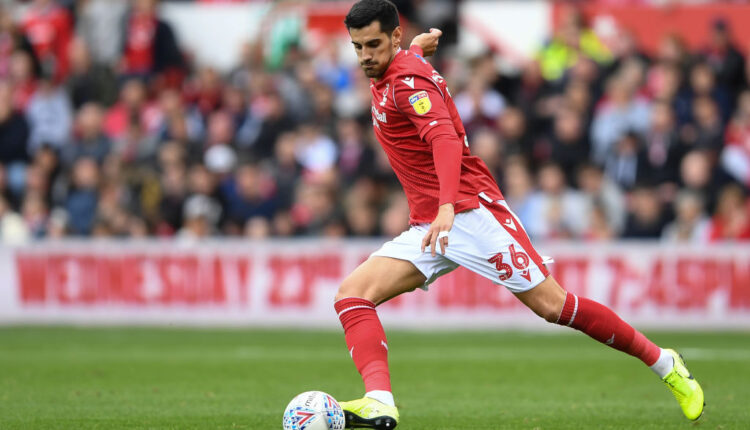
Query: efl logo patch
x=420 y=102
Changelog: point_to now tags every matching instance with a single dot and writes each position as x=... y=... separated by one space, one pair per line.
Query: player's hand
x=427 y=41
x=439 y=229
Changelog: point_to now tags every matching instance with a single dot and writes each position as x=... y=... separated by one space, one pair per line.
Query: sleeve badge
x=421 y=103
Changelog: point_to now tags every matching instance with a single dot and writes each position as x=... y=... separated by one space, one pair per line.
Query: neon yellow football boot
x=685 y=388
x=369 y=414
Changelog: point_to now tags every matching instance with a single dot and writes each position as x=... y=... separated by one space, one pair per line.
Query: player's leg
x=551 y=302
x=493 y=230
x=375 y=281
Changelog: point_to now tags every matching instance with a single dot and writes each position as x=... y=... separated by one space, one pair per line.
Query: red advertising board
x=294 y=284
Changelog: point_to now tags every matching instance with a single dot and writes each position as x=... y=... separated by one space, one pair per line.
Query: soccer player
x=454 y=205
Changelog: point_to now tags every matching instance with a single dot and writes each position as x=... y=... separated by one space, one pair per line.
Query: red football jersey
x=407 y=102
x=50 y=30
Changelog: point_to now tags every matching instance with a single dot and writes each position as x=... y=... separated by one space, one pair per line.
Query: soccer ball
x=314 y=410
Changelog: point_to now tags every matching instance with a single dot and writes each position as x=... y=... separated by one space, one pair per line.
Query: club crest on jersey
x=420 y=102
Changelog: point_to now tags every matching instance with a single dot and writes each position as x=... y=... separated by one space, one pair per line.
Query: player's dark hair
x=365 y=12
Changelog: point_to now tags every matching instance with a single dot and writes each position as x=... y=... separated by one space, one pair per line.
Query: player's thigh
x=381 y=278
x=546 y=299
x=491 y=242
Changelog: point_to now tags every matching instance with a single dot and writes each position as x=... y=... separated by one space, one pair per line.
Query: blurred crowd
x=109 y=129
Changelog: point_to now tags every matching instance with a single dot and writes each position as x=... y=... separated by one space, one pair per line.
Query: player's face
x=375 y=49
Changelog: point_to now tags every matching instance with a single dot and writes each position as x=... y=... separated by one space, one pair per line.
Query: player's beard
x=371 y=70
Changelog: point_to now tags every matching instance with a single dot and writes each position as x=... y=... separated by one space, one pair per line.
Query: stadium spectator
x=599 y=228
x=673 y=50
x=249 y=194
x=35 y=214
x=571 y=42
x=11 y=41
x=95 y=20
x=735 y=156
x=315 y=151
x=707 y=132
x=150 y=47
x=518 y=189
x=258 y=228
x=725 y=59
x=23 y=79
x=604 y=195
x=274 y=120
x=732 y=219
x=132 y=109
x=626 y=164
x=14 y=130
x=83 y=198
x=13 y=230
x=89 y=138
x=646 y=217
x=556 y=210
x=697 y=174
x=514 y=134
x=395 y=218
x=691 y=224
x=662 y=145
x=703 y=84
x=172 y=190
x=49 y=28
x=570 y=145
x=485 y=144
x=201 y=216
x=479 y=105
x=50 y=116
x=619 y=112
x=88 y=82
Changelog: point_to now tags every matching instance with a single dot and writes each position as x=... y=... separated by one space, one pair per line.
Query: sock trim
x=355 y=307
x=575 y=311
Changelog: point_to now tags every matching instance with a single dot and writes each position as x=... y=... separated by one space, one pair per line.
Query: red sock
x=599 y=322
x=366 y=341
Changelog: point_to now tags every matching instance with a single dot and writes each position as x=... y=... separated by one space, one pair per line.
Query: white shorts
x=489 y=241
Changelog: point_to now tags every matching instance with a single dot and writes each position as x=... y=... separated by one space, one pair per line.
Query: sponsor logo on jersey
x=379 y=115
x=420 y=102
x=409 y=81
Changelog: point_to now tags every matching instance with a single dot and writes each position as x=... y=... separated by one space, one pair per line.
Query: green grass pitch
x=145 y=378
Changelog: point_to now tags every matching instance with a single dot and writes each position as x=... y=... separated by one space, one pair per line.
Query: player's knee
x=351 y=288
x=551 y=314
x=548 y=310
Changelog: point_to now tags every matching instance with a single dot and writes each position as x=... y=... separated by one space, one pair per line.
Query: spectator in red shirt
x=149 y=44
x=49 y=29
x=732 y=218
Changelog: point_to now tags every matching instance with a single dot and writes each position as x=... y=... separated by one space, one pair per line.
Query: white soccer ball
x=314 y=410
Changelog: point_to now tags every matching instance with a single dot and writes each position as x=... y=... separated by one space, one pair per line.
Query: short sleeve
x=422 y=102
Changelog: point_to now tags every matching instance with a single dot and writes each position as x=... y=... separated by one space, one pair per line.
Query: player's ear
x=396 y=37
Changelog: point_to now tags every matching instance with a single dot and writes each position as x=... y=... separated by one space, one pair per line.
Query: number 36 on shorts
x=519 y=260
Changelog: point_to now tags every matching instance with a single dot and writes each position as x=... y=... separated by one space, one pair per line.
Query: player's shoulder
x=412 y=80
x=409 y=63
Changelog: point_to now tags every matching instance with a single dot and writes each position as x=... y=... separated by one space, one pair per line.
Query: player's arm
x=422 y=102
x=426 y=44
